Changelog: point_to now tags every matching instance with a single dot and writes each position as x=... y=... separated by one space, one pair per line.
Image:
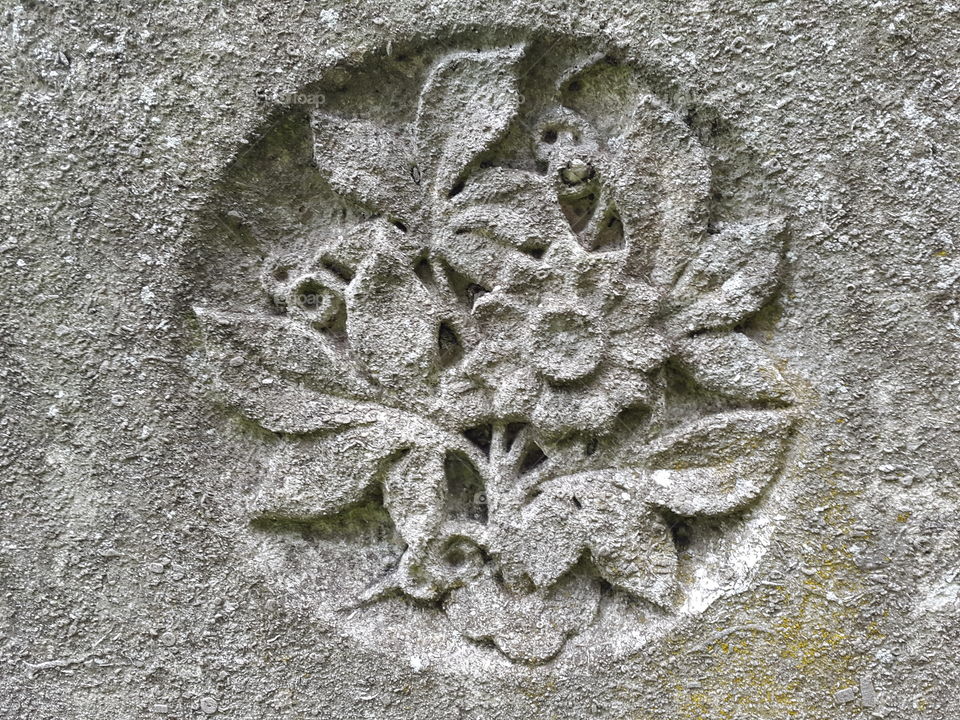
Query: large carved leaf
x=498 y=226
x=318 y=476
x=272 y=369
x=661 y=182
x=733 y=275
x=518 y=208
x=604 y=94
x=718 y=464
x=603 y=512
x=367 y=163
x=349 y=447
x=467 y=103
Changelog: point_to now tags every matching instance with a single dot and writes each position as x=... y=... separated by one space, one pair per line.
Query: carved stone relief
x=500 y=341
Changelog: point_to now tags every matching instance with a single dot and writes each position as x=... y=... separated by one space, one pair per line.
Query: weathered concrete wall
x=480 y=360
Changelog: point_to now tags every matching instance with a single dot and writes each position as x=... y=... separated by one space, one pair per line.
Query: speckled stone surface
x=480 y=361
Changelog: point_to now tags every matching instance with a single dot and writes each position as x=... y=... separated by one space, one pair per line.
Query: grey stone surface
x=480 y=360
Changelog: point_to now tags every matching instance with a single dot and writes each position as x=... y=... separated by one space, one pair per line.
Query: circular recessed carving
x=497 y=309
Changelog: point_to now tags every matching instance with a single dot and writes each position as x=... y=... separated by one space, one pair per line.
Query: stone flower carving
x=495 y=351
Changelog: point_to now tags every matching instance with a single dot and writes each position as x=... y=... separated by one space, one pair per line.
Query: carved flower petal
x=641 y=349
x=544 y=541
x=717 y=464
x=563 y=410
x=516 y=394
x=733 y=365
x=482 y=261
x=467 y=103
x=530 y=627
x=366 y=163
x=636 y=306
x=502 y=323
x=735 y=273
x=591 y=408
x=414 y=494
x=603 y=93
x=627 y=388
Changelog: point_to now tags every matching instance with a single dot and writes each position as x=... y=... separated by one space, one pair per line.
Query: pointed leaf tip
x=467 y=103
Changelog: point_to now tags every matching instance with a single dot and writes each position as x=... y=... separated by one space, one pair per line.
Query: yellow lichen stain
x=903 y=517
x=820 y=611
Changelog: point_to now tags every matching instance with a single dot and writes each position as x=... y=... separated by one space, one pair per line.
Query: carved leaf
x=271 y=368
x=661 y=184
x=515 y=207
x=717 y=464
x=499 y=226
x=603 y=512
x=320 y=475
x=365 y=162
x=314 y=477
x=467 y=103
x=733 y=365
x=414 y=492
x=735 y=273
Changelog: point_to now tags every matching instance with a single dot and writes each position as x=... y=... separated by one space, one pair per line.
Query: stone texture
x=480 y=361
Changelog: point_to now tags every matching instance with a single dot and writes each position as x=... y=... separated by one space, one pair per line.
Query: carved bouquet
x=529 y=349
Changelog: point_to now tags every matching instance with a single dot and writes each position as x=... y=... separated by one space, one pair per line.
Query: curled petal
x=481 y=260
x=603 y=93
x=516 y=394
x=413 y=494
x=568 y=342
x=593 y=408
x=626 y=388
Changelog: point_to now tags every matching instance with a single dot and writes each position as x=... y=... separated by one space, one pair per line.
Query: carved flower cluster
x=493 y=349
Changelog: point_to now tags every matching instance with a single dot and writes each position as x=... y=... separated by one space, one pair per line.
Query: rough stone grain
x=201 y=210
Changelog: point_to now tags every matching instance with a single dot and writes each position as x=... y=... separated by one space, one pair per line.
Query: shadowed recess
x=466 y=498
x=481 y=436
